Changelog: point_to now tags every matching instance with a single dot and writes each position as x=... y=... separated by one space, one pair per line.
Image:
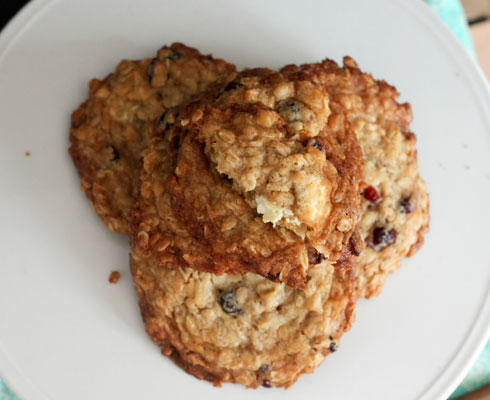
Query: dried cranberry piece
x=232 y=86
x=290 y=110
x=406 y=205
x=175 y=55
x=314 y=257
x=229 y=303
x=314 y=143
x=371 y=194
x=266 y=383
x=115 y=154
x=380 y=235
x=333 y=347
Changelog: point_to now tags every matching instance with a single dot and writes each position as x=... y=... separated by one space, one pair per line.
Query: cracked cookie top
x=264 y=178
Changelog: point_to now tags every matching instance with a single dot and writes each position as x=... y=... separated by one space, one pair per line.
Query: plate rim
x=455 y=370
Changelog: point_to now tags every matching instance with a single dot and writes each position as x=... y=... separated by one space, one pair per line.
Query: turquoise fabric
x=5 y=393
x=452 y=13
x=478 y=376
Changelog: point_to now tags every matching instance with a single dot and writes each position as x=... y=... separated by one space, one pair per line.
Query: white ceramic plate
x=66 y=333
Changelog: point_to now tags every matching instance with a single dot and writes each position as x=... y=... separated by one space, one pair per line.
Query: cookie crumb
x=114 y=276
x=28 y=153
x=467 y=166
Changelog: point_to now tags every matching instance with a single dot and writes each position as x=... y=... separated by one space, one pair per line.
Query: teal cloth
x=452 y=13
x=478 y=376
x=5 y=393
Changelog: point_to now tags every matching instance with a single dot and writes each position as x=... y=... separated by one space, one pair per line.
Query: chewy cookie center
x=255 y=134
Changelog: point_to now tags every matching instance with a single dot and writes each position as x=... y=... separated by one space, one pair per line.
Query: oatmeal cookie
x=110 y=129
x=243 y=328
x=265 y=179
x=395 y=205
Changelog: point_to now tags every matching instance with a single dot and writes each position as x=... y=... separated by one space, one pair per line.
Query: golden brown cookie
x=110 y=129
x=265 y=179
x=395 y=204
x=243 y=329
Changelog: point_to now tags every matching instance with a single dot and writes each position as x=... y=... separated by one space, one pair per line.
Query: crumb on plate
x=114 y=276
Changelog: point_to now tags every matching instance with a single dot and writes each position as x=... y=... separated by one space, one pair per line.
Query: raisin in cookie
x=265 y=178
x=110 y=130
x=243 y=328
x=395 y=205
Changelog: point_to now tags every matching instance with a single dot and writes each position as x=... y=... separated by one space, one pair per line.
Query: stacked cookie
x=260 y=205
